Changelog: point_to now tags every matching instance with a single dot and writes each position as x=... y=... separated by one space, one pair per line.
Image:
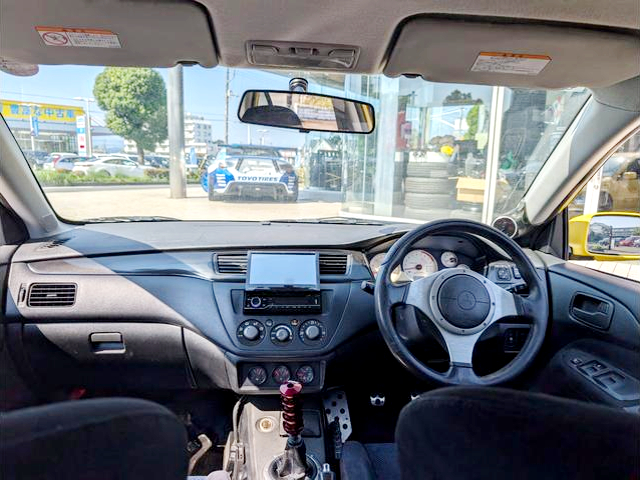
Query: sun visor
x=106 y=32
x=516 y=55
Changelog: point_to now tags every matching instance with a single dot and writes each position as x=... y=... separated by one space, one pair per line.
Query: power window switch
x=592 y=368
x=609 y=379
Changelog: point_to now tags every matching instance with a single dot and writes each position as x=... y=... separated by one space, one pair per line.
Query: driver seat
x=489 y=433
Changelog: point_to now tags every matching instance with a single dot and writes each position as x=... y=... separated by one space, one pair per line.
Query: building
x=55 y=129
x=47 y=127
x=197 y=135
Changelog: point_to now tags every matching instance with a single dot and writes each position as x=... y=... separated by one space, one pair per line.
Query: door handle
x=593 y=311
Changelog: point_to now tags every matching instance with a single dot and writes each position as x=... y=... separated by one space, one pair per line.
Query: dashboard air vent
x=236 y=263
x=232 y=263
x=333 y=263
x=52 y=295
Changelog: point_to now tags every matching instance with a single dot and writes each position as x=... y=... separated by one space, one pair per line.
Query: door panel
x=593 y=343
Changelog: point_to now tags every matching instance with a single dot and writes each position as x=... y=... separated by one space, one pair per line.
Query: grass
x=50 y=178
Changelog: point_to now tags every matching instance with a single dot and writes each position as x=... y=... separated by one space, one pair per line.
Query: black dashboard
x=165 y=305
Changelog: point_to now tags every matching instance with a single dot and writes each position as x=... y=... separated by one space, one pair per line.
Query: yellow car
x=605 y=236
x=620 y=187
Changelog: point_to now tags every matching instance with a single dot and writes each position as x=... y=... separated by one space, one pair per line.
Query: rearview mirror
x=606 y=236
x=306 y=112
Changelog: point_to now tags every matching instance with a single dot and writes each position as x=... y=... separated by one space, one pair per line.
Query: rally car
x=251 y=177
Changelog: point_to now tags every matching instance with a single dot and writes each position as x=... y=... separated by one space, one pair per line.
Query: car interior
x=340 y=349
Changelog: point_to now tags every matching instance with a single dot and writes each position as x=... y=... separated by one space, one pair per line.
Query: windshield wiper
x=130 y=219
x=329 y=220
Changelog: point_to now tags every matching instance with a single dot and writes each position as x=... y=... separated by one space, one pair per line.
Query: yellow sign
x=45 y=112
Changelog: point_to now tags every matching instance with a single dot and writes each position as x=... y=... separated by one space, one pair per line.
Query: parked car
x=36 y=158
x=156 y=161
x=52 y=160
x=629 y=241
x=66 y=164
x=250 y=177
x=111 y=166
x=620 y=186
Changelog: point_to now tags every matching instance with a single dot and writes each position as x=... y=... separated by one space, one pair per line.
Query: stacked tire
x=428 y=187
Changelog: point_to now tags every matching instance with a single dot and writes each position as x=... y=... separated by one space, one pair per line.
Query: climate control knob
x=281 y=334
x=312 y=332
x=251 y=332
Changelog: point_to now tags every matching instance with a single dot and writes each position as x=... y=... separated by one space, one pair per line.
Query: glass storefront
x=441 y=150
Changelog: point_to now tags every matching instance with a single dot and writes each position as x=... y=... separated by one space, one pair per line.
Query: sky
x=204 y=95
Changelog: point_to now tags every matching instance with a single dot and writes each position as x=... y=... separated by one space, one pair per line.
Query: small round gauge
x=305 y=374
x=506 y=225
x=281 y=374
x=449 y=259
x=257 y=375
x=418 y=264
x=376 y=262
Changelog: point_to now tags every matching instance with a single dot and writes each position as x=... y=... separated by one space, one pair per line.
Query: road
x=78 y=203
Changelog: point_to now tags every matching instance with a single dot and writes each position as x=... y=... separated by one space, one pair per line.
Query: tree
x=457 y=98
x=135 y=100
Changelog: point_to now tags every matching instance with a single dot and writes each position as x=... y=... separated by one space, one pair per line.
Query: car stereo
x=282 y=282
x=282 y=302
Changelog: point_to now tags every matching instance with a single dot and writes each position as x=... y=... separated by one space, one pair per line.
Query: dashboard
x=100 y=307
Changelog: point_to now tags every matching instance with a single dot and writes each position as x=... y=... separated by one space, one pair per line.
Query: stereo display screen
x=283 y=270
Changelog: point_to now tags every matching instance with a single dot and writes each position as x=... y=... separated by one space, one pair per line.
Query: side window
x=604 y=219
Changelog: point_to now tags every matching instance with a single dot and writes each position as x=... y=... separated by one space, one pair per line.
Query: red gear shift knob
x=291 y=407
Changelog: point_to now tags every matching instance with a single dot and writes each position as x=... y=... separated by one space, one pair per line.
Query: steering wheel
x=461 y=304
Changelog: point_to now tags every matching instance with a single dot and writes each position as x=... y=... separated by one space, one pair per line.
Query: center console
x=286 y=314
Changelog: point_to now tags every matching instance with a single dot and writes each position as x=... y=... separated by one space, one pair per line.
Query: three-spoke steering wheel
x=461 y=304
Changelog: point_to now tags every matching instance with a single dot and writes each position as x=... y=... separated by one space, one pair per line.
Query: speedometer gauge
x=449 y=259
x=376 y=262
x=419 y=263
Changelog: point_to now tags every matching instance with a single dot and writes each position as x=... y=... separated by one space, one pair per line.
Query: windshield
x=426 y=159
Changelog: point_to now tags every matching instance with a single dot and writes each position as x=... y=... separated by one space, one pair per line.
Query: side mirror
x=606 y=236
x=306 y=111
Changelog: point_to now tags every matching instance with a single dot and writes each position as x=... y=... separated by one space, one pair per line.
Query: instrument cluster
x=424 y=261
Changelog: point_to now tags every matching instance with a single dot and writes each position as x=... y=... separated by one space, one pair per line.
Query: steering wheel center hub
x=463 y=301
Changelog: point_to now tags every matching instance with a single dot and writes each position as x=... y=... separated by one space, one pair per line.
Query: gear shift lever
x=292 y=465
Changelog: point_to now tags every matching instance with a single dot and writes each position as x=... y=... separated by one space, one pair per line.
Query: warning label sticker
x=78 y=37
x=514 y=63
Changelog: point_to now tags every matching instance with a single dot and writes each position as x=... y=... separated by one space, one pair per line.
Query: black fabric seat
x=102 y=439
x=369 y=461
x=490 y=433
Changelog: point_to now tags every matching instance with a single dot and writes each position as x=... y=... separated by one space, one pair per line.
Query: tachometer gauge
x=419 y=263
x=376 y=262
x=449 y=259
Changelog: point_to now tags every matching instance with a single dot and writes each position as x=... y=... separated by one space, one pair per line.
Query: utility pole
x=227 y=94
x=175 y=110
x=87 y=115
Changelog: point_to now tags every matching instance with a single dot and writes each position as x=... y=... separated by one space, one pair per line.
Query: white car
x=251 y=177
x=111 y=166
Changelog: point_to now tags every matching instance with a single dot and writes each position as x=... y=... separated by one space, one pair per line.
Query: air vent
x=52 y=295
x=333 y=263
x=236 y=263
x=232 y=263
